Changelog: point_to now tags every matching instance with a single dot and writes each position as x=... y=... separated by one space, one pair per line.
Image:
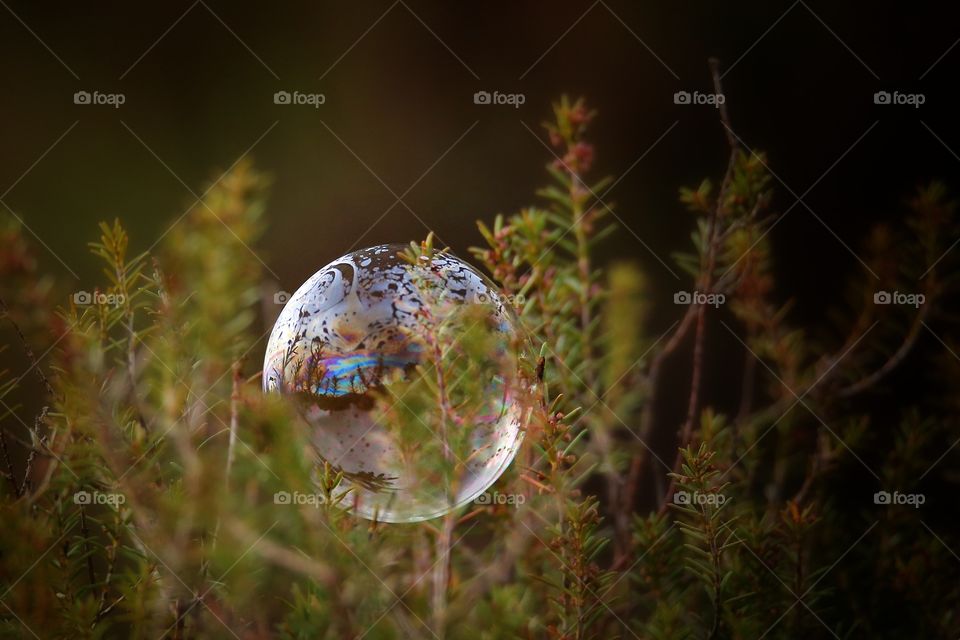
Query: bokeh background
x=399 y=121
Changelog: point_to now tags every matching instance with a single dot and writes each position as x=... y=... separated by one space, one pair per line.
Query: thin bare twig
x=34 y=362
x=27 y=485
x=441 y=574
x=20 y=488
x=648 y=419
x=234 y=418
x=893 y=361
x=707 y=267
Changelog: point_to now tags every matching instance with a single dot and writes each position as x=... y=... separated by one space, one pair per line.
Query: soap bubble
x=414 y=375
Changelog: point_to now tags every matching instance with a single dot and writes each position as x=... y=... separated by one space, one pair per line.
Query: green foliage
x=141 y=500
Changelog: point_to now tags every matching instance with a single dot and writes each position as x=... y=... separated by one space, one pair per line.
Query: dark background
x=399 y=81
x=399 y=120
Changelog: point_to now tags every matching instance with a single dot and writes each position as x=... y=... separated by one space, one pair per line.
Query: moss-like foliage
x=151 y=497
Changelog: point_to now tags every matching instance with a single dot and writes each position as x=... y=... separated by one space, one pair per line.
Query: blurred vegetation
x=764 y=526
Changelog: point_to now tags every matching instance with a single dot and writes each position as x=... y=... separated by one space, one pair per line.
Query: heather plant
x=160 y=493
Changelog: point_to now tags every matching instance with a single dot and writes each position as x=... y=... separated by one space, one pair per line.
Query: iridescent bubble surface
x=410 y=375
